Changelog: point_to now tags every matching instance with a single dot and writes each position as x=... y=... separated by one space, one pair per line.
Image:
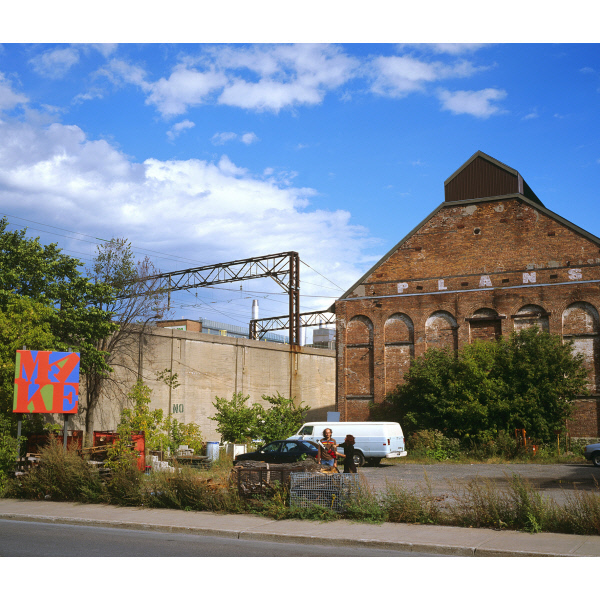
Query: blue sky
x=216 y=152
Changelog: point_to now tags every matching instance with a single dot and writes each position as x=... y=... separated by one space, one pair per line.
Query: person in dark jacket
x=348 y=446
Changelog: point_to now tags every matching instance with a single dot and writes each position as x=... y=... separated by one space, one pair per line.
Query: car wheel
x=596 y=459
x=359 y=459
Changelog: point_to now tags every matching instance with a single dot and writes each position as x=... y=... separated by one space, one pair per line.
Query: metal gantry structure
x=259 y=327
x=283 y=268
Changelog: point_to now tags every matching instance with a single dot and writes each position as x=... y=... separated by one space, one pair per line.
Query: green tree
x=47 y=304
x=140 y=417
x=526 y=381
x=281 y=419
x=134 y=304
x=236 y=420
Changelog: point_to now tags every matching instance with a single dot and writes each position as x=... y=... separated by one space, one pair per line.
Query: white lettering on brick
x=574 y=274
x=401 y=287
x=441 y=285
x=529 y=277
x=485 y=281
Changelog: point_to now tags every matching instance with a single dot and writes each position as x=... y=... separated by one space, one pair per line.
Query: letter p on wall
x=401 y=287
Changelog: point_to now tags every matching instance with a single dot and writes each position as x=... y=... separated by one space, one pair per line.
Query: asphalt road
x=21 y=539
x=554 y=481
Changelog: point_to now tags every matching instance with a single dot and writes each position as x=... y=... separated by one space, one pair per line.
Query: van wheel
x=374 y=462
x=359 y=459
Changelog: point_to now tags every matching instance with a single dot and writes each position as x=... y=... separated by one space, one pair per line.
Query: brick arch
x=581 y=325
x=529 y=315
x=359 y=358
x=484 y=325
x=360 y=330
x=399 y=349
x=441 y=331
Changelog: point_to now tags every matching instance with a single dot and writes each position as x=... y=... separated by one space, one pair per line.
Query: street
x=21 y=539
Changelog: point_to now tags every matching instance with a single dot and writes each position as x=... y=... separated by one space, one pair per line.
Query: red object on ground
x=104 y=438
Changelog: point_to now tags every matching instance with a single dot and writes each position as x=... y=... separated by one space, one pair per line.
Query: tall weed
x=61 y=475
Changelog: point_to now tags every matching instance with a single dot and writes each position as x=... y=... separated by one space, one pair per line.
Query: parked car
x=281 y=451
x=592 y=452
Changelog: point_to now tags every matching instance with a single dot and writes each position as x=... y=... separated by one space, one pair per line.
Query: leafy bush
x=280 y=420
x=238 y=422
x=434 y=445
x=524 y=382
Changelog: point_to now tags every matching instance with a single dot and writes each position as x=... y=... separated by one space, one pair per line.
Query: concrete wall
x=208 y=366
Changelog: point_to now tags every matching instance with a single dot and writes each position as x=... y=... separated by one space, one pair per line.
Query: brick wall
x=473 y=270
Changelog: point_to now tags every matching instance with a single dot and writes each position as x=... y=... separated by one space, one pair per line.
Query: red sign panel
x=46 y=382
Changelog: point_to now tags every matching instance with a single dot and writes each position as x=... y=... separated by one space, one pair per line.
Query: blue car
x=281 y=451
x=592 y=452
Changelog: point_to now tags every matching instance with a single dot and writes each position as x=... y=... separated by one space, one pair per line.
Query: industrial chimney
x=254 y=309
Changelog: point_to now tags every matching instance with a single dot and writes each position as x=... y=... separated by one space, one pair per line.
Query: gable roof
x=539 y=207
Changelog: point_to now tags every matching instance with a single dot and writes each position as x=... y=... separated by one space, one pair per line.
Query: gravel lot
x=551 y=480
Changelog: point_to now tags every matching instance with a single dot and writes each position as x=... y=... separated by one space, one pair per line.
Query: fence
x=330 y=491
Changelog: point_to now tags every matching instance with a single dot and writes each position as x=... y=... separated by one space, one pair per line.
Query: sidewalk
x=455 y=541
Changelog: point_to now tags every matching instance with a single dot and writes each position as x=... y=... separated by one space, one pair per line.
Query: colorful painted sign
x=46 y=382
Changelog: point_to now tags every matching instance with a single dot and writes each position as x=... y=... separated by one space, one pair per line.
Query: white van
x=373 y=440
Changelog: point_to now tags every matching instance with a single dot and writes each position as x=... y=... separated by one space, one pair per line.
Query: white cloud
x=288 y=75
x=178 y=128
x=228 y=136
x=182 y=89
x=453 y=49
x=105 y=49
x=55 y=63
x=203 y=210
x=249 y=138
x=532 y=115
x=475 y=103
x=223 y=137
x=398 y=76
x=270 y=77
x=8 y=98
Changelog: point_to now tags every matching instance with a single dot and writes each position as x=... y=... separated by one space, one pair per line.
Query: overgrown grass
x=65 y=476
x=431 y=446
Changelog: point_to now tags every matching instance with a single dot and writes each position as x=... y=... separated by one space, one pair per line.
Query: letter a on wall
x=46 y=382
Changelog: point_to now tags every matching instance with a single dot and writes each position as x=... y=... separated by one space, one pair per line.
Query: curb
x=403 y=546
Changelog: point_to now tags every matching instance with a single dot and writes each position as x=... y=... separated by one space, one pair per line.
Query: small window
x=306 y=430
x=306 y=447
x=272 y=447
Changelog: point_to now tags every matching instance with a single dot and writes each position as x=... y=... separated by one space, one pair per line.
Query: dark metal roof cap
x=482 y=176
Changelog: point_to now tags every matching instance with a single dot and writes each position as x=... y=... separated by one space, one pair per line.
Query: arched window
x=531 y=315
x=399 y=335
x=441 y=331
x=359 y=358
x=484 y=324
x=582 y=325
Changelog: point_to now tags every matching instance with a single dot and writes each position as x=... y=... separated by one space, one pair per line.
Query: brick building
x=489 y=260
